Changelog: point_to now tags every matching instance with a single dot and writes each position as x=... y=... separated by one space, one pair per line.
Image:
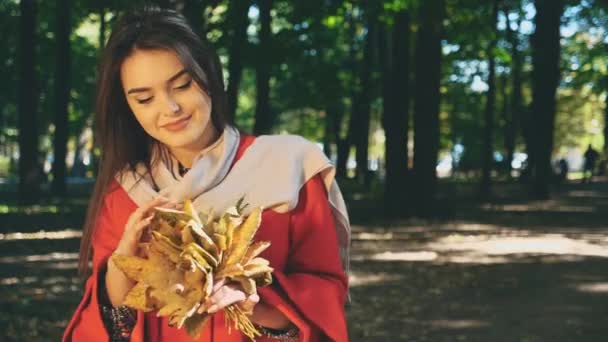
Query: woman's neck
x=185 y=155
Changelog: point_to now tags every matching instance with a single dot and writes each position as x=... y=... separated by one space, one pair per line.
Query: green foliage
x=579 y=120
x=316 y=53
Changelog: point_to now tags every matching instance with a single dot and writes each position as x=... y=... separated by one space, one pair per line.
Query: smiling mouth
x=178 y=125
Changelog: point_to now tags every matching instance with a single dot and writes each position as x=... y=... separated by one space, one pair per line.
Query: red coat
x=309 y=286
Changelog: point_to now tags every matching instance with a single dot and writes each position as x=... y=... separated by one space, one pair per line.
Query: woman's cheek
x=148 y=124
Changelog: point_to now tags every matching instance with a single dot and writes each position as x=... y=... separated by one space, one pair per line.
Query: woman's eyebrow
x=171 y=79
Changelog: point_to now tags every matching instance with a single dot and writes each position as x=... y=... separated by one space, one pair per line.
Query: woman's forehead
x=148 y=68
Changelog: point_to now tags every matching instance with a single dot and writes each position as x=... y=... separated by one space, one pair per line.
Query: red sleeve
x=86 y=323
x=311 y=292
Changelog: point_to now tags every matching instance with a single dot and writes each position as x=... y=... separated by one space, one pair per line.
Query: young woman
x=165 y=137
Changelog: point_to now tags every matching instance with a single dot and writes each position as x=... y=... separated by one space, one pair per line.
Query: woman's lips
x=177 y=125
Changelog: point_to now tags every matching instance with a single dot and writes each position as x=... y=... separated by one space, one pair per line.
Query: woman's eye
x=144 y=101
x=185 y=85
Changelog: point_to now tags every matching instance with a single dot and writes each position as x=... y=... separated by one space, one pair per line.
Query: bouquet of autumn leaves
x=186 y=254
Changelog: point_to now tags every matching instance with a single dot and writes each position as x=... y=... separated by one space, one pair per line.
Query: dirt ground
x=504 y=270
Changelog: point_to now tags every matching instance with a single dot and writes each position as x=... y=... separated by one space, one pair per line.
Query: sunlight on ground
x=384 y=233
x=473 y=227
x=54 y=235
x=402 y=256
x=18 y=281
x=547 y=207
x=457 y=323
x=28 y=210
x=504 y=245
x=593 y=288
x=358 y=279
x=39 y=257
x=373 y=236
x=486 y=247
x=587 y=194
x=35 y=279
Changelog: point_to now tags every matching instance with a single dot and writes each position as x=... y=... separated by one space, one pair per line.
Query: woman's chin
x=184 y=143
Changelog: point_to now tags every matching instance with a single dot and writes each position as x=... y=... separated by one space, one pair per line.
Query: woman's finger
x=218 y=284
x=224 y=297
x=139 y=226
x=144 y=212
x=136 y=230
x=157 y=202
x=138 y=222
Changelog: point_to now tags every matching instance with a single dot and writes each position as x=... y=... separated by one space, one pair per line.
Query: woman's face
x=166 y=100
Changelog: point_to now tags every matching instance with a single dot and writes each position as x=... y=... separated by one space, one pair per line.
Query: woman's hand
x=117 y=283
x=225 y=294
x=136 y=224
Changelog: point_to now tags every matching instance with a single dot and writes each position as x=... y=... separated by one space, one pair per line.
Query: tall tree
x=102 y=42
x=343 y=144
x=102 y=25
x=62 y=97
x=514 y=109
x=545 y=77
x=362 y=102
x=29 y=171
x=395 y=119
x=604 y=82
x=263 y=115
x=426 y=103
x=488 y=131
x=509 y=128
x=239 y=21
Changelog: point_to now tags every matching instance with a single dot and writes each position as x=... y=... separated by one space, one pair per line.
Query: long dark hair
x=124 y=143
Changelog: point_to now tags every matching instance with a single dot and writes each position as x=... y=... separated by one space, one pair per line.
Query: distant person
x=591 y=157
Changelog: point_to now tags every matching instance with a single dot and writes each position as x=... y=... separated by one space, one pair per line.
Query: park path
x=509 y=270
x=506 y=270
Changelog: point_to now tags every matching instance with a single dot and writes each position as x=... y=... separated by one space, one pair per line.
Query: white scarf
x=270 y=174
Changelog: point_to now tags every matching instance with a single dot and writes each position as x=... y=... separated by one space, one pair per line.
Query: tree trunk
x=62 y=98
x=488 y=132
x=102 y=26
x=363 y=108
x=395 y=119
x=343 y=144
x=545 y=77
x=605 y=125
x=516 y=107
x=102 y=43
x=29 y=169
x=328 y=132
x=263 y=116
x=78 y=168
x=426 y=104
x=342 y=151
x=239 y=21
x=507 y=114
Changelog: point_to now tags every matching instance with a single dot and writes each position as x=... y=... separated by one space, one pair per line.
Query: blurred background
x=470 y=139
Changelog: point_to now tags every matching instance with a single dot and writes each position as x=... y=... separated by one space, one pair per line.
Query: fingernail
x=212 y=308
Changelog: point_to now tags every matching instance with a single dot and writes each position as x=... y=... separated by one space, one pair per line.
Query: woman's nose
x=171 y=106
